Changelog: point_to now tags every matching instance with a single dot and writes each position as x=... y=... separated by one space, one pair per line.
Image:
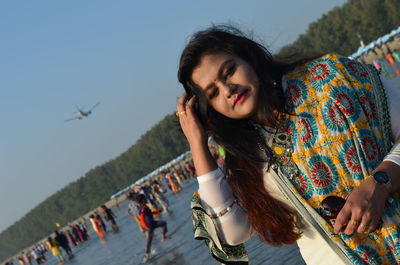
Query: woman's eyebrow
x=220 y=72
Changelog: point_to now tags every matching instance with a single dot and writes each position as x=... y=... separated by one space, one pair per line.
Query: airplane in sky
x=81 y=113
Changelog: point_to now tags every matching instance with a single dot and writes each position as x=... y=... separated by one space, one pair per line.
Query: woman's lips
x=240 y=98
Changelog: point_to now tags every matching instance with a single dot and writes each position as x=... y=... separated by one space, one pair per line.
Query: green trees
x=339 y=30
x=159 y=145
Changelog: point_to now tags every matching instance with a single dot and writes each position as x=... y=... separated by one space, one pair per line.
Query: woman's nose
x=229 y=89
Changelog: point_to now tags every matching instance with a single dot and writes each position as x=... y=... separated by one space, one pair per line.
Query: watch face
x=381 y=177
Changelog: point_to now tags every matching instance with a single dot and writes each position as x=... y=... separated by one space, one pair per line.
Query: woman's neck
x=265 y=122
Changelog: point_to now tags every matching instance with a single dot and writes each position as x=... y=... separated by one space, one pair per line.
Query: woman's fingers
x=358 y=213
x=372 y=226
x=349 y=219
x=352 y=226
x=186 y=109
x=363 y=209
x=190 y=125
x=365 y=223
x=353 y=218
x=180 y=104
x=190 y=106
x=342 y=220
x=368 y=224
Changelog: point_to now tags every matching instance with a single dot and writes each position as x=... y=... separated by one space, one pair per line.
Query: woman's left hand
x=363 y=208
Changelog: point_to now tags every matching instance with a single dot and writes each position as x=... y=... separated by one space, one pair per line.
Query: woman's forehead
x=208 y=68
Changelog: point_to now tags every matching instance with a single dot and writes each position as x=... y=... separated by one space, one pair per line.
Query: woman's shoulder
x=325 y=68
x=327 y=57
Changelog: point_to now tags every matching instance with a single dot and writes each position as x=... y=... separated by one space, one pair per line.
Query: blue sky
x=123 y=54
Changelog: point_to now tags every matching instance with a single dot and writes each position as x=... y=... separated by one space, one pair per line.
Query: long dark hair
x=272 y=219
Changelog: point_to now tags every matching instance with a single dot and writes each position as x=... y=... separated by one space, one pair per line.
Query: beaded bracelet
x=224 y=211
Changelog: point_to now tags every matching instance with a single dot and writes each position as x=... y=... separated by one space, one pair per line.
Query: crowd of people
x=59 y=244
x=147 y=202
x=383 y=54
x=389 y=63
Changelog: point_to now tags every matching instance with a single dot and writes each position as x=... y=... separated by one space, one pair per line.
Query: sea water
x=127 y=246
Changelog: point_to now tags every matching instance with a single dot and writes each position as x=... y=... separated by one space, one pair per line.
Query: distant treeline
x=156 y=147
x=337 y=31
x=340 y=29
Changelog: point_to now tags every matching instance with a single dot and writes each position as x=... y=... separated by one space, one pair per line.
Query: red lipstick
x=240 y=98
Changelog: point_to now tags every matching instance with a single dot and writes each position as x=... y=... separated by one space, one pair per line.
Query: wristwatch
x=381 y=177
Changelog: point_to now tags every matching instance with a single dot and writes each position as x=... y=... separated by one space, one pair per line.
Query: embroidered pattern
x=296 y=92
x=345 y=101
x=322 y=71
x=303 y=186
x=355 y=69
x=370 y=149
x=369 y=106
x=338 y=130
x=323 y=174
x=305 y=131
x=333 y=117
x=350 y=162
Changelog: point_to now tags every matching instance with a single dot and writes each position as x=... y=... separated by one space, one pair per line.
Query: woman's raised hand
x=195 y=134
x=189 y=121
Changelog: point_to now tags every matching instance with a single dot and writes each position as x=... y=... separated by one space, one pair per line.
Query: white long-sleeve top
x=233 y=227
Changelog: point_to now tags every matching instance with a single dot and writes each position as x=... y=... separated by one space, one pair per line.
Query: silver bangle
x=223 y=212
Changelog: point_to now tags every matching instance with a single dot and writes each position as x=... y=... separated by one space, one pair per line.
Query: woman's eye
x=231 y=69
x=213 y=93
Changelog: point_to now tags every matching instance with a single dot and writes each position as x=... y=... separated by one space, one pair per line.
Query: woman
x=97 y=226
x=157 y=191
x=55 y=249
x=71 y=237
x=21 y=260
x=133 y=210
x=110 y=217
x=299 y=138
x=173 y=183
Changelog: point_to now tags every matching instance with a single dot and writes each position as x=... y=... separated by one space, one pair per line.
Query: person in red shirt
x=149 y=224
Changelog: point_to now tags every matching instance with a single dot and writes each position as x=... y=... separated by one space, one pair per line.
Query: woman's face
x=229 y=83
